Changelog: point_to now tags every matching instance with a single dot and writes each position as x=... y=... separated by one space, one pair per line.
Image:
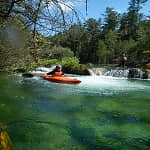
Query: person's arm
x=50 y=73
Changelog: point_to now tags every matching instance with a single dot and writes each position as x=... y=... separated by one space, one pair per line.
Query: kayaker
x=123 y=60
x=57 y=71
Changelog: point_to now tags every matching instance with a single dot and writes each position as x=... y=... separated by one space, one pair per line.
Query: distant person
x=123 y=60
x=57 y=71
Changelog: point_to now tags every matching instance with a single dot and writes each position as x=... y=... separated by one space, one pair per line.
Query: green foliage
x=111 y=19
x=14 y=43
x=121 y=33
x=72 y=66
x=101 y=51
x=89 y=65
x=60 y=52
x=69 y=61
x=48 y=63
x=92 y=25
x=93 y=41
x=134 y=17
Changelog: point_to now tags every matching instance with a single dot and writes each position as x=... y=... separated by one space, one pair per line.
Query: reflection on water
x=100 y=113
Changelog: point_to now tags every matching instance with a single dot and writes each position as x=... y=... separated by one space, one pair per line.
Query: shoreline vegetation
x=70 y=65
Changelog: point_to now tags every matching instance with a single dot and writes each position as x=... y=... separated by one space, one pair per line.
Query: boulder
x=135 y=73
x=19 y=70
x=145 y=74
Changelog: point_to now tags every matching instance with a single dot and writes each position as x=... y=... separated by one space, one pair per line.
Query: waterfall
x=135 y=73
x=97 y=71
x=117 y=73
x=113 y=72
x=128 y=73
x=91 y=72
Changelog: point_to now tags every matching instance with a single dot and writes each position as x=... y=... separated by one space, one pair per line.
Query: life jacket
x=59 y=74
x=124 y=58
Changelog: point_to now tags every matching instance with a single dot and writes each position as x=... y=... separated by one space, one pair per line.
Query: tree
x=36 y=17
x=15 y=42
x=110 y=42
x=123 y=30
x=101 y=52
x=92 y=27
x=6 y=8
x=40 y=15
x=134 y=17
x=111 y=20
x=59 y=53
x=142 y=47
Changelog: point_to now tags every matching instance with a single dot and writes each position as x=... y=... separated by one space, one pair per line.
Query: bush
x=48 y=63
x=72 y=66
x=90 y=65
x=57 y=52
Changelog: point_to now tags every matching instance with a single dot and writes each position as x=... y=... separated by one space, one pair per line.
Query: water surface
x=102 y=113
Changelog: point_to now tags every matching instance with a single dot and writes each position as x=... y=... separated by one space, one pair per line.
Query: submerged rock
x=27 y=75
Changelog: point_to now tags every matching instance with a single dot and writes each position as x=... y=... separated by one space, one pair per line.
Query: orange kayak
x=61 y=79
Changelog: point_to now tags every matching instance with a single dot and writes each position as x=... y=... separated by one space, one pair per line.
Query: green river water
x=101 y=113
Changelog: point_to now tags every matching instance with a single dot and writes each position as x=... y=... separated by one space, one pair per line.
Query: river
x=101 y=113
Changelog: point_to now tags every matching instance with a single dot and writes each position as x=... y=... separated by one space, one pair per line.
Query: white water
x=117 y=73
x=103 y=82
x=42 y=70
x=102 y=85
x=91 y=72
x=134 y=73
x=94 y=85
